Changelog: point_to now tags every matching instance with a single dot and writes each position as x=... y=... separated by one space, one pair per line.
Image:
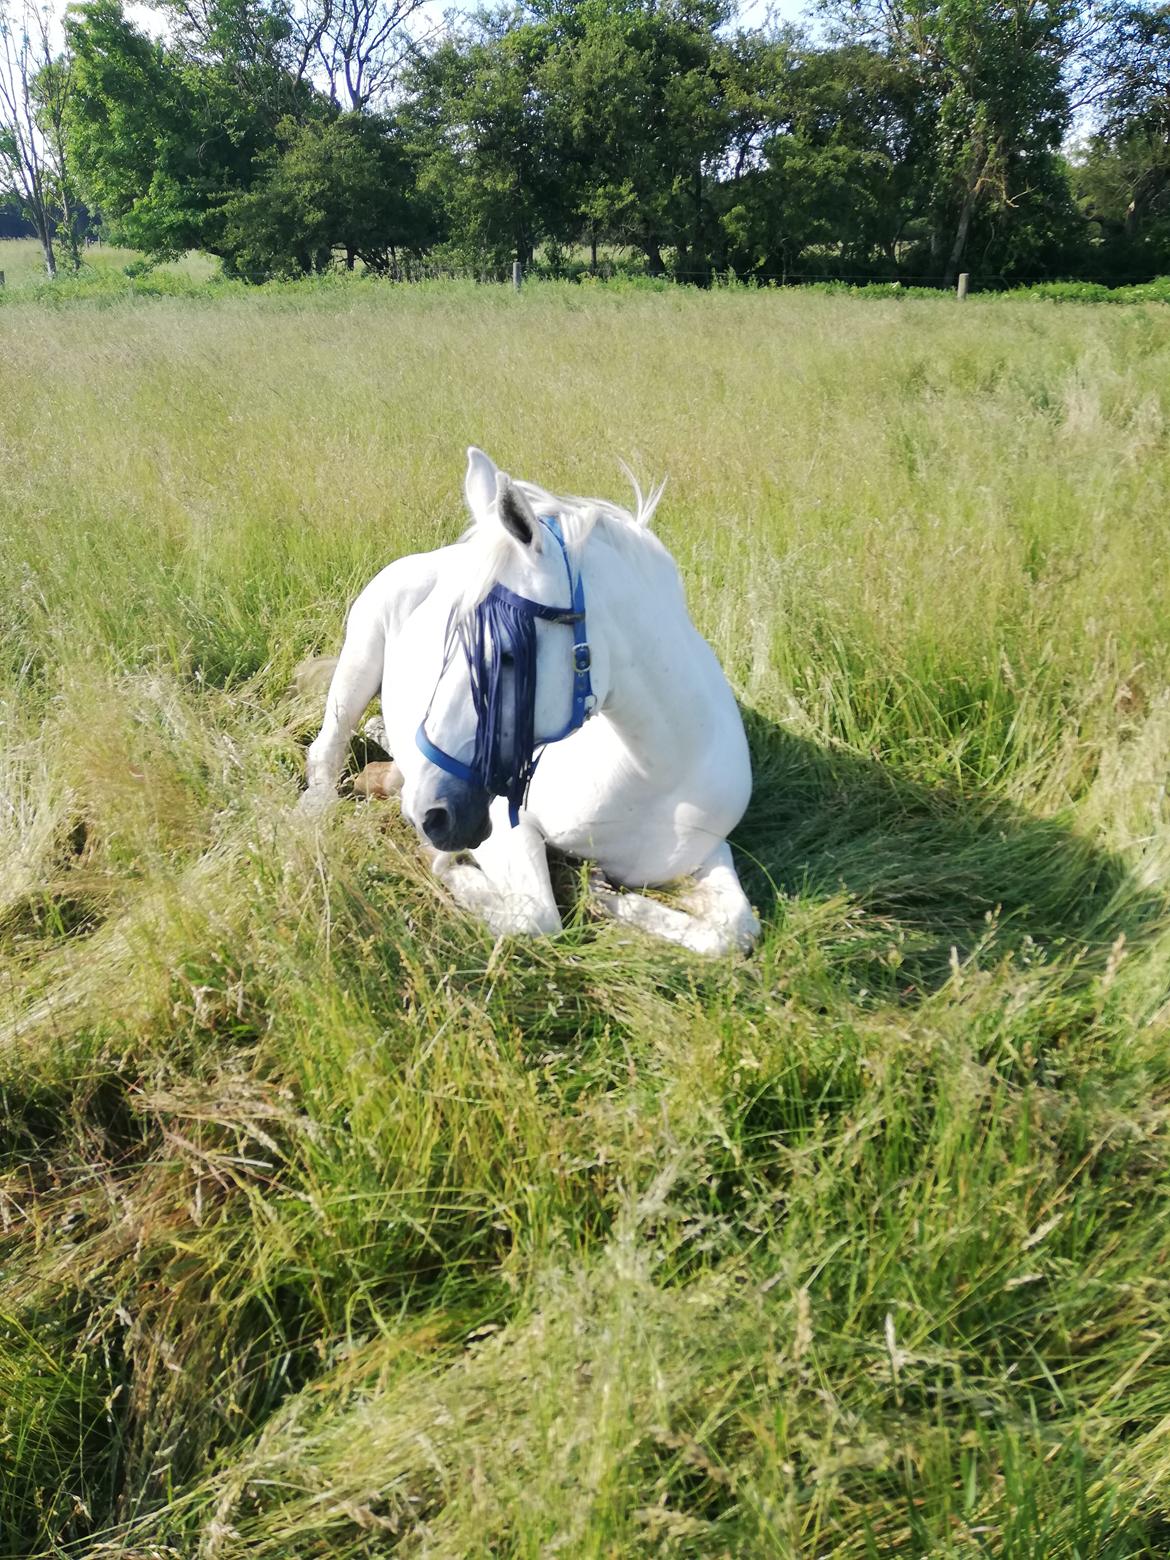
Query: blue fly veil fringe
x=499 y=635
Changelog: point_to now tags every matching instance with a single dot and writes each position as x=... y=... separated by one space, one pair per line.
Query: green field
x=331 y=1229
x=23 y=265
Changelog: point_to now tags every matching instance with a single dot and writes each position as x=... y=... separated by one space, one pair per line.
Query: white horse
x=555 y=630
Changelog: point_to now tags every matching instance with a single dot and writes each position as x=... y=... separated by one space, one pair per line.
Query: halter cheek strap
x=584 y=702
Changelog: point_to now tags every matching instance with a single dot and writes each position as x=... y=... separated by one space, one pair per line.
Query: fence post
x=517 y=274
x=961 y=290
x=1 y=278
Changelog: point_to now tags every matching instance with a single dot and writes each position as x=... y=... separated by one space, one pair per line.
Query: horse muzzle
x=453 y=815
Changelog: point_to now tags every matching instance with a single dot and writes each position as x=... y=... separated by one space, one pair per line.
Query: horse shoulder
x=395 y=592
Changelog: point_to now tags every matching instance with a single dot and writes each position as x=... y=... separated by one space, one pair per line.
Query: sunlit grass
x=23 y=264
x=331 y=1228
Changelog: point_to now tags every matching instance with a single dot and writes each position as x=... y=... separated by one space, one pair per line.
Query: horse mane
x=628 y=531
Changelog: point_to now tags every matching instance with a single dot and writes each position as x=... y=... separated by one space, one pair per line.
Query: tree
x=492 y=155
x=1127 y=170
x=53 y=90
x=826 y=158
x=924 y=137
x=355 y=48
x=579 y=117
x=265 y=49
x=164 y=142
x=994 y=74
x=340 y=184
x=640 y=89
x=179 y=146
x=362 y=46
x=35 y=84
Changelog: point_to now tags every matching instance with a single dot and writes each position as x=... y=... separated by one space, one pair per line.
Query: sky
x=751 y=13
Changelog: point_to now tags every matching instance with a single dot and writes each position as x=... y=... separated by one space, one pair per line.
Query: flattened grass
x=330 y=1228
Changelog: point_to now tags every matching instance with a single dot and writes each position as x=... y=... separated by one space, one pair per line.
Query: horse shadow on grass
x=932 y=872
x=926 y=872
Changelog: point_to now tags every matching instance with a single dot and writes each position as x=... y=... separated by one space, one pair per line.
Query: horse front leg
x=355 y=683
x=718 y=919
x=375 y=620
x=506 y=884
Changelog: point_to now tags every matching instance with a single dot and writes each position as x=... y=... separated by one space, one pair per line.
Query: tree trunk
x=46 y=239
x=593 y=248
x=960 y=238
x=67 y=233
x=966 y=212
x=653 y=255
x=698 y=247
x=349 y=257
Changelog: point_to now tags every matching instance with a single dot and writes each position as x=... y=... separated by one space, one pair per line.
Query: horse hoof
x=379 y=780
x=316 y=801
x=374 y=731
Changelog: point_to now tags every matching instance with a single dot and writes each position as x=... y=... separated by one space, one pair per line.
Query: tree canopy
x=900 y=142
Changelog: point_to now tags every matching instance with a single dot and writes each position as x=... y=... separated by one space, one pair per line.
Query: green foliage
x=1122 y=174
x=642 y=90
x=491 y=156
x=830 y=161
x=1156 y=291
x=328 y=1225
x=163 y=143
x=994 y=78
x=155 y=144
x=344 y=183
x=908 y=144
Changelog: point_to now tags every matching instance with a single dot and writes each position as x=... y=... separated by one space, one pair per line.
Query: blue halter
x=502 y=631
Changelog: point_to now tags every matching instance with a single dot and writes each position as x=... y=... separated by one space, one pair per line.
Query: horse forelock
x=490 y=548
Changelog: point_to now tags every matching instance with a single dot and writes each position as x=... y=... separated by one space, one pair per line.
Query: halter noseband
x=507 y=623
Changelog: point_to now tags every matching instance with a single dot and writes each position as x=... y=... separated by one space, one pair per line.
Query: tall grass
x=331 y=1227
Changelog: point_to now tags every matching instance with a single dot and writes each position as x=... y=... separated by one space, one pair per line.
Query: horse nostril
x=435 y=823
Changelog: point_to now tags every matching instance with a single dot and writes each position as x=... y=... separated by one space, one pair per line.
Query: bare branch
x=364 y=47
x=34 y=82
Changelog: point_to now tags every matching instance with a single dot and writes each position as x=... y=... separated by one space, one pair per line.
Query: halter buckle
x=582 y=659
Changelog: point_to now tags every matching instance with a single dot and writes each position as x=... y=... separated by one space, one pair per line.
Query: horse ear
x=517 y=515
x=479 y=485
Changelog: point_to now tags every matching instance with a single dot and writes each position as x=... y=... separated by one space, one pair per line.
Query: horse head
x=503 y=636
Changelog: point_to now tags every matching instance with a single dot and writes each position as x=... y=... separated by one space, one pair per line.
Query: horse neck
x=659 y=669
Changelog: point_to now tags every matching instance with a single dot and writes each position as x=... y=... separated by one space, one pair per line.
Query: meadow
x=330 y=1227
x=23 y=264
